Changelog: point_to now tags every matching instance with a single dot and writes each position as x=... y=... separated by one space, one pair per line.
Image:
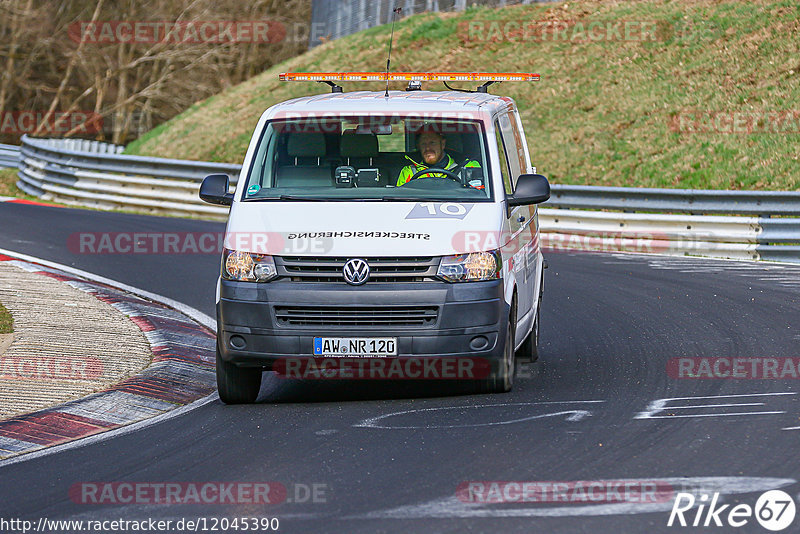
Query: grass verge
x=605 y=111
x=8 y=181
x=6 y=321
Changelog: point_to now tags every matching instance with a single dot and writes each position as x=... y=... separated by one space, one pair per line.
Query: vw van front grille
x=384 y=316
x=382 y=269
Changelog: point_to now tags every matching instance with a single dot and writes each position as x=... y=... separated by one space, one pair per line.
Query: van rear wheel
x=237 y=385
x=501 y=378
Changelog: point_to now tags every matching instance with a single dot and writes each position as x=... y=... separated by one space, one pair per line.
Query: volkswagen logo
x=356 y=272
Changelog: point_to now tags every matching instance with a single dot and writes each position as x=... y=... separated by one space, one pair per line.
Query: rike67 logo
x=774 y=510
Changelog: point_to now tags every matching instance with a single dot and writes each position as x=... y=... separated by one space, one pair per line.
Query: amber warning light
x=408 y=77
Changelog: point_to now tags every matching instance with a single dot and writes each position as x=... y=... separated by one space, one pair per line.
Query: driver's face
x=431 y=145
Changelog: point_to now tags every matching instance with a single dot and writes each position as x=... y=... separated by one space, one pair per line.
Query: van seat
x=307 y=169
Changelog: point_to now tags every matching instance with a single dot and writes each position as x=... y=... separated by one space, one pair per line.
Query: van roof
x=357 y=102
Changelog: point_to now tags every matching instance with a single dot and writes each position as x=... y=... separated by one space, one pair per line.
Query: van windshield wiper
x=304 y=199
x=350 y=199
x=328 y=199
x=299 y=198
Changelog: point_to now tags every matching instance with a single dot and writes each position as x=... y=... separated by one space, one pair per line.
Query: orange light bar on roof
x=408 y=76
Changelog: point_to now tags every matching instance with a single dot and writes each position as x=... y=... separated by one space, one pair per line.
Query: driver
x=431 y=145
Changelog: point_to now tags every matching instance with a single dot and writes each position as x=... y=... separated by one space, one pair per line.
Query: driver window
x=503 y=160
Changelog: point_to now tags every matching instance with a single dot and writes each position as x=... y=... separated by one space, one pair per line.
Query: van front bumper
x=253 y=330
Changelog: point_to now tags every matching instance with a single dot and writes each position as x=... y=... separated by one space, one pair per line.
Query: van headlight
x=471 y=267
x=247 y=266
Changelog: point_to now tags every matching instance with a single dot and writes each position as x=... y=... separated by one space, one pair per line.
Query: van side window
x=513 y=143
x=503 y=160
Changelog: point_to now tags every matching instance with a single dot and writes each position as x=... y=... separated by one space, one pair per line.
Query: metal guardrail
x=9 y=156
x=698 y=201
x=90 y=173
x=745 y=237
x=766 y=224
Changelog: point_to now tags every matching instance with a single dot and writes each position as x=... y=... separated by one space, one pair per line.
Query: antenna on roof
x=395 y=11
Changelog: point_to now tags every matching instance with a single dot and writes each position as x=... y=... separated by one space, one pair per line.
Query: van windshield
x=370 y=158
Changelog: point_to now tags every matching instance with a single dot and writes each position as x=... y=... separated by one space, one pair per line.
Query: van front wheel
x=237 y=385
x=501 y=379
x=529 y=351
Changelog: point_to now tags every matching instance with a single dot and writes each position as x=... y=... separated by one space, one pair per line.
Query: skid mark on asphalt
x=453 y=507
x=570 y=415
x=787 y=276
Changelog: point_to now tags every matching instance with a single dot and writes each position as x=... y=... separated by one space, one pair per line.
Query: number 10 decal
x=439 y=210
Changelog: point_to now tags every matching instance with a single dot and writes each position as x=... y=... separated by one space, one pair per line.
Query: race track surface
x=389 y=457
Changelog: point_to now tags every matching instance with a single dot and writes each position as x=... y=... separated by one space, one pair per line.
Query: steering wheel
x=430 y=170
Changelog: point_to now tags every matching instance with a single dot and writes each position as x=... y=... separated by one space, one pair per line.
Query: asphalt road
x=588 y=411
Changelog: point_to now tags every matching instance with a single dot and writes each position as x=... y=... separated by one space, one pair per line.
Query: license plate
x=355 y=346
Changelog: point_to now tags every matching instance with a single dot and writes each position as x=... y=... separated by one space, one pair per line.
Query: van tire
x=529 y=351
x=501 y=378
x=237 y=385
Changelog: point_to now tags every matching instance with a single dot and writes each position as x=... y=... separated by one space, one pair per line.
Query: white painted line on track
x=662 y=405
x=708 y=414
x=715 y=405
x=572 y=415
x=452 y=507
x=725 y=263
x=195 y=314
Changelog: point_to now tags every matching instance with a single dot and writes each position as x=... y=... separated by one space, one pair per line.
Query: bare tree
x=65 y=56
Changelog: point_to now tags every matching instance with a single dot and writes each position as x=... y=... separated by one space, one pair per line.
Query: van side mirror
x=214 y=189
x=531 y=189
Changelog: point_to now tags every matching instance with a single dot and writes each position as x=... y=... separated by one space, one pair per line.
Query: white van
x=345 y=242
